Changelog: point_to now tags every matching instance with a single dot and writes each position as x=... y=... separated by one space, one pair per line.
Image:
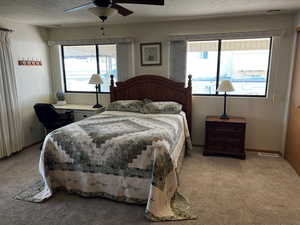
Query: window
x=243 y=61
x=107 y=64
x=204 y=70
x=80 y=62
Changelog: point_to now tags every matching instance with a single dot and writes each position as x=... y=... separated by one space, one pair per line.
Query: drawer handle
x=84 y=116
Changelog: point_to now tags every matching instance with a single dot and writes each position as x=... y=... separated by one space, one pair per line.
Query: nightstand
x=225 y=137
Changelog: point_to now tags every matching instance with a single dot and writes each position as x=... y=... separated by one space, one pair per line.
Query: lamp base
x=97 y=106
x=224 y=117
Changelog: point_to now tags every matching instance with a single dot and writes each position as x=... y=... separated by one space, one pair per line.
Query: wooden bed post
x=112 y=85
x=189 y=116
x=190 y=81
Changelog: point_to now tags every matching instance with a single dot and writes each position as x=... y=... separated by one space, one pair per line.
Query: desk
x=80 y=111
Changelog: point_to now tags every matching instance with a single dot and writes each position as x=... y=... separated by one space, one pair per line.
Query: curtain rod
x=5 y=29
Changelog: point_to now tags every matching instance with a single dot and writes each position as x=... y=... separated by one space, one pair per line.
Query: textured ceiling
x=50 y=12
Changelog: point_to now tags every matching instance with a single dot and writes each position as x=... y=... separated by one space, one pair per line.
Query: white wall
x=296 y=24
x=297 y=19
x=33 y=82
x=266 y=116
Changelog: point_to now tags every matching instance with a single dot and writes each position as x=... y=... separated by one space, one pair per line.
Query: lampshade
x=225 y=86
x=95 y=79
x=100 y=11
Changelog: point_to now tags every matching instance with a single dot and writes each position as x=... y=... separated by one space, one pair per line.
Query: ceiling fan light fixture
x=102 y=12
x=105 y=8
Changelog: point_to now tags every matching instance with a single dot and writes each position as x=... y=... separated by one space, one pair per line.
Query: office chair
x=50 y=119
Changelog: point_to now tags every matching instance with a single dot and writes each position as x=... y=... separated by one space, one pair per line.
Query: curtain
x=56 y=66
x=178 y=60
x=10 y=117
x=124 y=60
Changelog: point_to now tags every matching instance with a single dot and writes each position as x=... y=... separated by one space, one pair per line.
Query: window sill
x=85 y=92
x=234 y=96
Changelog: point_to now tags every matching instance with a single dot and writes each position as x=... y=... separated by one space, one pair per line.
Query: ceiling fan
x=103 y=8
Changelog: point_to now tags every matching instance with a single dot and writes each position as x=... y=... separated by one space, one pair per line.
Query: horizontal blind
x=112 y=40
x=224 y=36
x=228 y=45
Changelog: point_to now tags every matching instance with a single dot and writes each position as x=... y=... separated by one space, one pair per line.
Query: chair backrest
x=46 y=113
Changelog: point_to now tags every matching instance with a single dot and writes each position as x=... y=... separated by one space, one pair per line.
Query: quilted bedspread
x=127 y=157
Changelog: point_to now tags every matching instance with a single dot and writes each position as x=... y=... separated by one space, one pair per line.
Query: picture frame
x=151 y=54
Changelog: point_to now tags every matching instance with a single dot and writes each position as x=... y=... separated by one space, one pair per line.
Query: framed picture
x=150 y=54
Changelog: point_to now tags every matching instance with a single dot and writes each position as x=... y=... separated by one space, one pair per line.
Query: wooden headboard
x=156 y=88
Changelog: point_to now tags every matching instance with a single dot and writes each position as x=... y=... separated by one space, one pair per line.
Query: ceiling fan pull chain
x=102 y=30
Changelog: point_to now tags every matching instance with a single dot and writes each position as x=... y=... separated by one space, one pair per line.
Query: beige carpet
x=222 y=191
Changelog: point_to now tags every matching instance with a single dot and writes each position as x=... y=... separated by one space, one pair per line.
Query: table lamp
x=96 y=79
x=225 y=86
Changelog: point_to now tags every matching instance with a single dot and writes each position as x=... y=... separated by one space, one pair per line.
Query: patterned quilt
x=129 y=157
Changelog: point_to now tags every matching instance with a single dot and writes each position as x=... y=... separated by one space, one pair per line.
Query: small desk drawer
x=81 y=114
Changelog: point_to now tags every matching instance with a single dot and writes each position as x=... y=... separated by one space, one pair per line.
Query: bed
x=125 y=156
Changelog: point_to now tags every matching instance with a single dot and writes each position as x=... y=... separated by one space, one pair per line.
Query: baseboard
x=250 y=150
x=29 y=146
x=17 y=152
x=198 y=146
x=263 y=150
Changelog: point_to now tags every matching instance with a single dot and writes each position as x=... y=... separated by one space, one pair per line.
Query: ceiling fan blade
x=146 y=2
x=121 y=10
x=87 y=5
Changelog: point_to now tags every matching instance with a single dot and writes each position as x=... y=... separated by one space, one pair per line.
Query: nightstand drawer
x=215 y=140
x=234 y=144
x=230 y=127
x=225 y=130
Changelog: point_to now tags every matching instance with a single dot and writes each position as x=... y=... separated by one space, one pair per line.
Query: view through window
x=80 y=62
x=243 y=61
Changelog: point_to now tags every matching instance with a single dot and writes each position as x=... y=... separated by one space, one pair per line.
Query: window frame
x=219 y=64
x=98 y=67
